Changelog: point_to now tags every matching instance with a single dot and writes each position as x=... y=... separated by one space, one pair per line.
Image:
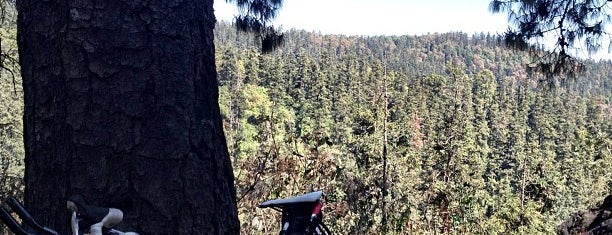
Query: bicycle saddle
x=306 y=198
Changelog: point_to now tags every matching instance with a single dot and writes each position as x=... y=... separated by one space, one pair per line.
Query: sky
x=385 y=17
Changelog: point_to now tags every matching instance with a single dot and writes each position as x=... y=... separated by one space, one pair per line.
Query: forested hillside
x=409 y=134
x=442 y=133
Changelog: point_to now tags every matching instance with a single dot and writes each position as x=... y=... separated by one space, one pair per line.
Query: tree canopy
x=255 y=17
x=474 y=145
x=573 y=26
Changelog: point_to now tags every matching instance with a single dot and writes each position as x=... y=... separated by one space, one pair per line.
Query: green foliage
x=11 y=112
x=11 y=136
x=8 y=52
x=473 y=145
x=11 y=108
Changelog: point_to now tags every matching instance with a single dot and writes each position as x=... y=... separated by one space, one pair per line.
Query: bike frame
x=293 y=209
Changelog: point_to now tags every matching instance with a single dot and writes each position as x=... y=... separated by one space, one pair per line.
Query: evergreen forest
x=441 y=133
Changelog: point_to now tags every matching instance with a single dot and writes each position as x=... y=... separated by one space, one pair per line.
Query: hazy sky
x=386 y=17
x=382 y=17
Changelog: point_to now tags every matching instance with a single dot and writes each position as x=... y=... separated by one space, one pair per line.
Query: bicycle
x=301 y=215
x=99 y=220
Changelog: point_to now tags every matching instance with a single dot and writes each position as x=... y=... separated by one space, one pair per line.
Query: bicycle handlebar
x=94 y=217
x=90 y=213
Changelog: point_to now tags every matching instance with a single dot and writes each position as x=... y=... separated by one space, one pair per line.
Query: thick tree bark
x=121 y=106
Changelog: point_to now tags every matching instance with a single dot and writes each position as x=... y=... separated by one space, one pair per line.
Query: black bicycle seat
x=306 y=198
x=89 y=213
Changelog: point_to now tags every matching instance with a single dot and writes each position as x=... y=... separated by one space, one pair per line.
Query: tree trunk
x=121 y=106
